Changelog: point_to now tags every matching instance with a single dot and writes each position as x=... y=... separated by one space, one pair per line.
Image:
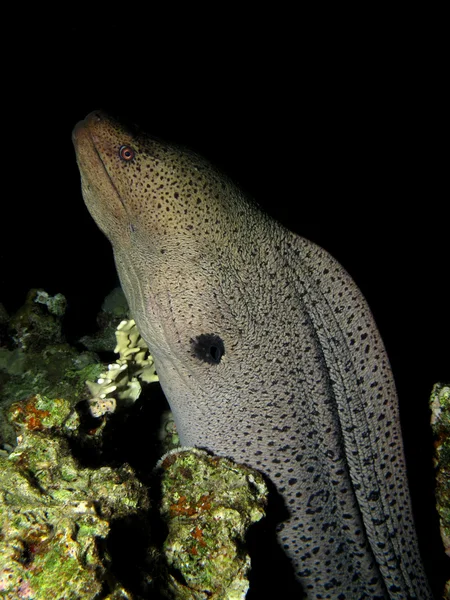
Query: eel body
x=267 y=353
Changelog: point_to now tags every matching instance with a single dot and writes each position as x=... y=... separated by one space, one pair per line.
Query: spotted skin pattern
x=266 y=351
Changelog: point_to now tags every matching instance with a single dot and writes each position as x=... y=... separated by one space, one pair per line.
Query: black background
x=335 y=123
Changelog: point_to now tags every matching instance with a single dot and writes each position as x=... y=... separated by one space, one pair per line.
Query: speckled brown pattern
x=267 y=353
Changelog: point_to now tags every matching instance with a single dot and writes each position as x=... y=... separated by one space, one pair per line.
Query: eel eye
x=208 y=347
x=126 y=153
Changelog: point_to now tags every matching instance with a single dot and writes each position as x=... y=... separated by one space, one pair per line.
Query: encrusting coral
x=36 y=358
x=54 y=512
x=440 y=423
x=208 y=502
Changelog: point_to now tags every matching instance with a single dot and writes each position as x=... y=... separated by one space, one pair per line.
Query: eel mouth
x=82 y=132
x=87 y=141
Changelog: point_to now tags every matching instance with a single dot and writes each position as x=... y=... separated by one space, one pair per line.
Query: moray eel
x=267 y=353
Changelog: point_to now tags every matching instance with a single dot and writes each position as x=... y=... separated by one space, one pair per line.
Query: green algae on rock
x=54 y=512
x=208 y=502
x=35 y=358
x=440 y=423
x=38 y=322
